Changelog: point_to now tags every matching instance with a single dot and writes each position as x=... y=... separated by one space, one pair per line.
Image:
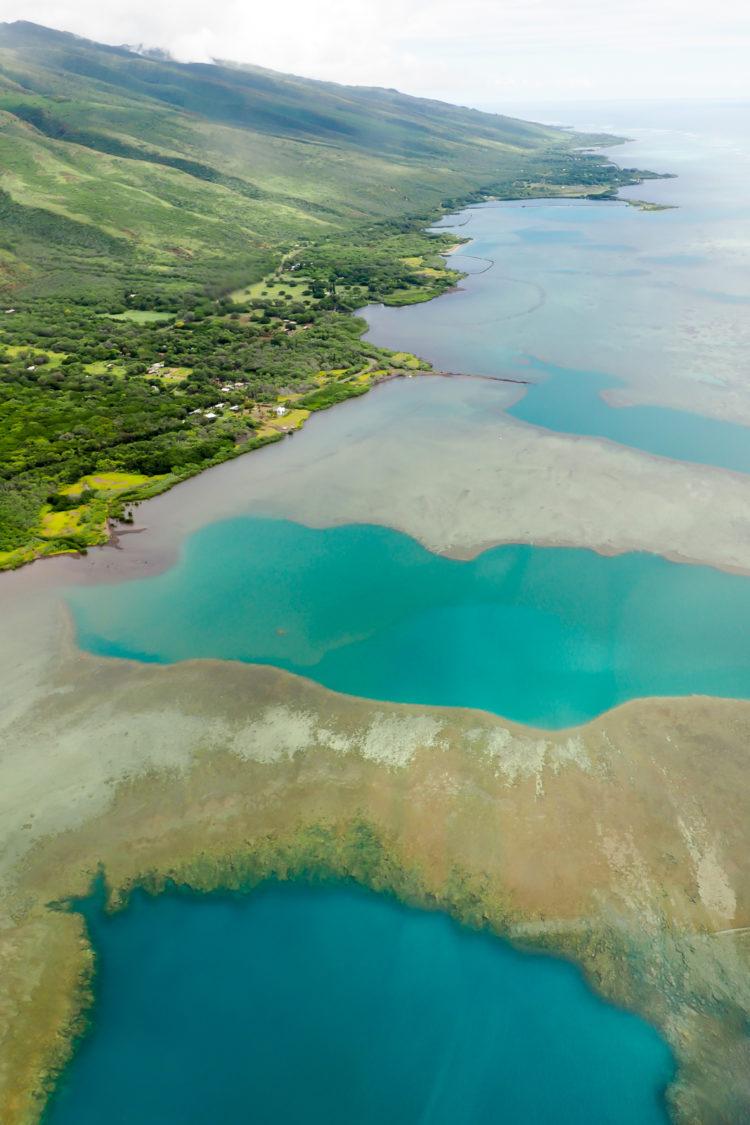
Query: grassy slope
x=205 y=170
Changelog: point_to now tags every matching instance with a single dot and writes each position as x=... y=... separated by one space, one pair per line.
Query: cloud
x=483 y=51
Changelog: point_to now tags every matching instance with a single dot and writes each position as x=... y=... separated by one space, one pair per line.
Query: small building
x=234 y=408
x=32 y=367
x=210 y=416
x=279 y=411
x=154 y=368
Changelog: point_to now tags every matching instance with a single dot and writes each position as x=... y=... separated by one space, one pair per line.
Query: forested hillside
x=114 y=162
x=181 y=247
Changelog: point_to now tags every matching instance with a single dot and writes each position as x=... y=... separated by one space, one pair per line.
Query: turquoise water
x=581 y=297
x=570 y=402
x=332 y=1006
x=564 y=399
x=550 y=636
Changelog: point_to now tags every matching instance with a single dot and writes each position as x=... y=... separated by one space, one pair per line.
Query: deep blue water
x=550 y=636
x=333 y=1006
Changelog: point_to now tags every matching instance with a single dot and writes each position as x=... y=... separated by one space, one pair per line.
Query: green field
x=182 y=246
x=141 y=316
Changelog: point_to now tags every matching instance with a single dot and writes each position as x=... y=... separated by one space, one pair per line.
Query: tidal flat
x=496 y=480
x=213 y=774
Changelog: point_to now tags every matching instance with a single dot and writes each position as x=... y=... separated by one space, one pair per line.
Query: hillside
x=112 y=162
x=181 y=247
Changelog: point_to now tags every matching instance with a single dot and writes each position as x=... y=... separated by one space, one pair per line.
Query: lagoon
x=546 y=636
x=571 y=402
x=331 y=1005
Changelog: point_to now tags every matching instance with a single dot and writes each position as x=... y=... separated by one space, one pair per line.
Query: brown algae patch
x=621 y=844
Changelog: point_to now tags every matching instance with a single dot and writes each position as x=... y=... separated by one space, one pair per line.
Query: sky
x=487 y=53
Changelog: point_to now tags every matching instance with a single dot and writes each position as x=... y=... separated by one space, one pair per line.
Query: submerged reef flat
x=495 y=481
x=620 y=844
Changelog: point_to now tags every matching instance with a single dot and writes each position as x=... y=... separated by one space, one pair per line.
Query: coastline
x=334 y=843
x=705 y=532
x=114 y=503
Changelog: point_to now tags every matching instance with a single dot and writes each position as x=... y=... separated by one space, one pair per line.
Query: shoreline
x=26 y=555
x=480 y=545
x=155 y=558
x=114 y=528
x=463 y=896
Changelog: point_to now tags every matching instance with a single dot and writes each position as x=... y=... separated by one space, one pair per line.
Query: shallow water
x=328 y=1004
x=566 y=400
x=540 y=635
x=571 y=402
x=583 y=296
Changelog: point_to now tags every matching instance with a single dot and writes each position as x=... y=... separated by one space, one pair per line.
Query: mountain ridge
x=206 y=168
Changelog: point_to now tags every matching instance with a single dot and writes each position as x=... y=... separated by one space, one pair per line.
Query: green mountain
x=112 y=163
x=181 y=247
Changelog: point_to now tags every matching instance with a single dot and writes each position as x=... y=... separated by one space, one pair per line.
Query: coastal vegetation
x=119 y=410
x=181 y=248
